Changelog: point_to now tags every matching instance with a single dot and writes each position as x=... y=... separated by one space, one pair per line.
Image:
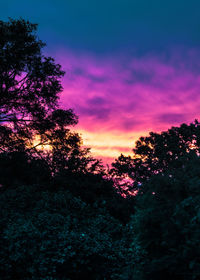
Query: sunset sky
x=132 y=66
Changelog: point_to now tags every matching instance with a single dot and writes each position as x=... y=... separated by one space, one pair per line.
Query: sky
x=132 y=66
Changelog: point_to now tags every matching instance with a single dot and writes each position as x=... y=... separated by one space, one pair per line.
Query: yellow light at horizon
x=36 y=142
x=110 y=144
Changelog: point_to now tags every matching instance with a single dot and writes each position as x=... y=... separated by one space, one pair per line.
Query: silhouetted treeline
x=63 y=216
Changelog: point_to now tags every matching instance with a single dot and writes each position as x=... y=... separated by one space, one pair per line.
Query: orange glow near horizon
x=108 y=146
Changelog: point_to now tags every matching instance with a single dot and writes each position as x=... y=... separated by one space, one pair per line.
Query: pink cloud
x=122 y=96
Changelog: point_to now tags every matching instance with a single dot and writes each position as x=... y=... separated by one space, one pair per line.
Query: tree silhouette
x=30 y=118
x=159 y=152
x=29 y=85
x=165 y=171
x=29 y=81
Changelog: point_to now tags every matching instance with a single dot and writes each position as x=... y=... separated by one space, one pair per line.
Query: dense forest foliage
x=63 y=215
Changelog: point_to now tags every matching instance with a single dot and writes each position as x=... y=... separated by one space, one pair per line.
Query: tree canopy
x=159 y=152
x=30 y=117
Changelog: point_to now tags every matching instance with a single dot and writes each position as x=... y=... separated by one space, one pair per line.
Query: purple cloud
x=172 y=118
x=129 y=95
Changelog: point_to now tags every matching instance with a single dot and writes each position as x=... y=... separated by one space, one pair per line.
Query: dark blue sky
x=102 y=26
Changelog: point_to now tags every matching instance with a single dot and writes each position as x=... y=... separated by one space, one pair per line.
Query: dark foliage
x=166 y=224
x=17 y=168
x=58 y=236
x=96 y=189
